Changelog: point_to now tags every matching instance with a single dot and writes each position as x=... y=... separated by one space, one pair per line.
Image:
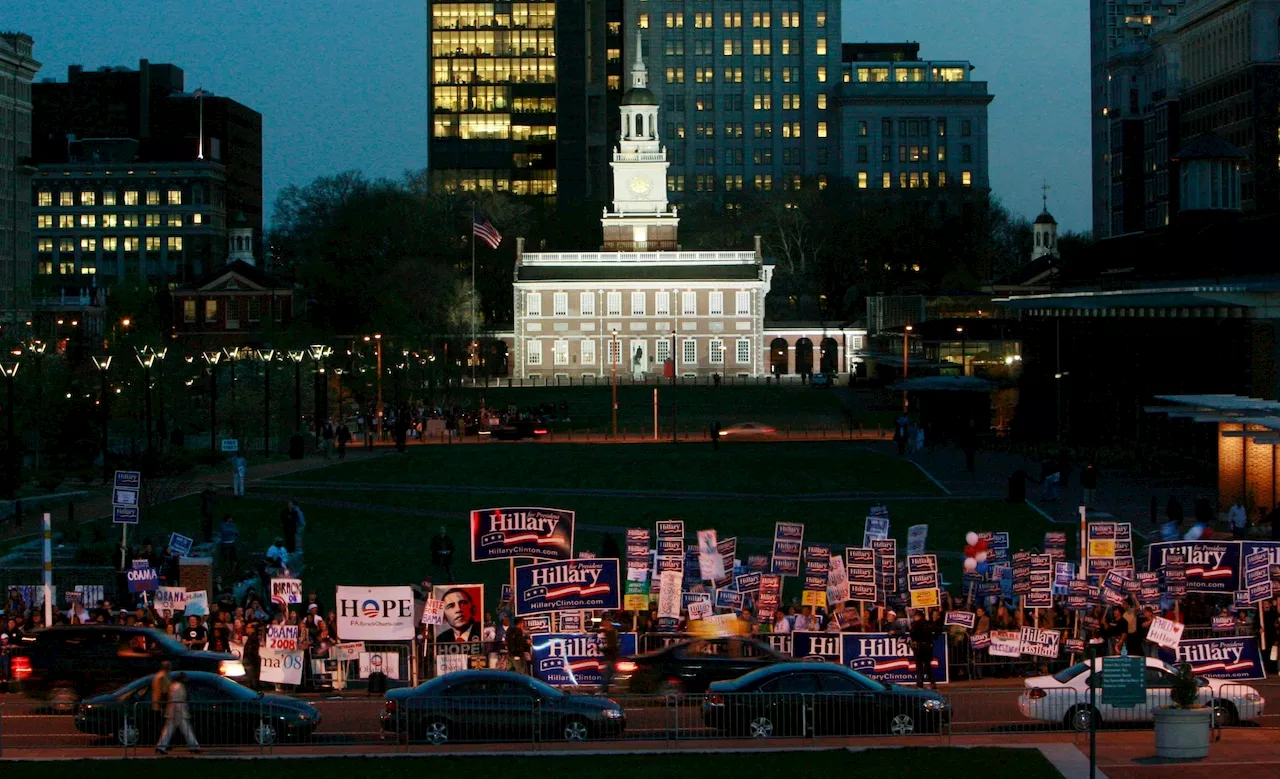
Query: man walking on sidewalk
x=177 y=716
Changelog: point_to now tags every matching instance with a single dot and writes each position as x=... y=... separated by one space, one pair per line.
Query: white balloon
x=971 y=538
x=970 y=564
x=981 y=557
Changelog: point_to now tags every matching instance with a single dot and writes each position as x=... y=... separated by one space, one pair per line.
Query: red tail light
x=715 y=700
x=390 y=707
x=625 y=666
x=1035 y=694
x=539 y=431
x=20 y=667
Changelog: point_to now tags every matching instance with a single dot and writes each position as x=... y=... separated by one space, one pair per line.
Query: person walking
x=518 y=648
x=177 y=715
x=344 y=438
x=442 y=556
x=208 y=505
x=238 y=467
x=328 y=435
x=922 y=634
x=608 y=652
x=229 y=534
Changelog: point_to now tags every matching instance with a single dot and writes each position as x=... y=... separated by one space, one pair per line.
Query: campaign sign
x=747 y=583
x=142 y=579
x=786 y=566
x=1212 y=566
x=854 y=555
x=875 y=528
x=827 y=647
x=924 y=580
x=671 y=547
x=1039 y=643
x=964 y=619
x=922 y=563
x=170 y=600
x=1165 y=632
x=862 y=592
x=180 y=544
x=729 y=599
x=124 y=515
x=671 y=528
x=1260 y=592
x=286 y=592
x=861 y=574
x=122 y=496
x=504 y=533
x=1063 y=574
x=1219 y=658
x=1005 y=643
x=568 y=659
x=1148 y=588
x=280 y=666
x=567 y=585
x=884 y=547
x=128 y=479
x=282 y=637
x=815 y=581
x=889 y=659
x=790 y=531
x=1225 y=624
x=1074 y=646
x=1039 y=599
x=665 y=564
x=917 y=535
x=537 y=624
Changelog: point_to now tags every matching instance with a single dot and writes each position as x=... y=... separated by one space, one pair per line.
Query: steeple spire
x=1044 y=196
x=639 y=73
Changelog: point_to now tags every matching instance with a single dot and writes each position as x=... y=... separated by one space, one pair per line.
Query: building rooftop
x=638 y=272
x=878 y=52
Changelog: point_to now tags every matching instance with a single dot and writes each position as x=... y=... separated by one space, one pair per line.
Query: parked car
x=825 y=699
x=822 y=380
x=691 y=666
x=748 y=430
x=221 y=711
x=518 y=431
x=1064 y=697
x=70 y=662
x=496 y=706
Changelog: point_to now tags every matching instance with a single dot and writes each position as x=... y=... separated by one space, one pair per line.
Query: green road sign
x=1124 y=681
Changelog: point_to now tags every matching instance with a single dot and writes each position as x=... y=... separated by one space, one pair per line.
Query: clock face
x=639 y=185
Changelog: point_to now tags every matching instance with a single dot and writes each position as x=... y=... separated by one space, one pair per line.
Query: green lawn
x=930 y=763
x=752 y=468
x=697 y=406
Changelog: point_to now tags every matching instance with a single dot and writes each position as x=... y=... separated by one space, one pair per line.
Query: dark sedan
x=822 y=699
x=690 y=666
x=221 y=711
x=518 y=431
x=497 y=706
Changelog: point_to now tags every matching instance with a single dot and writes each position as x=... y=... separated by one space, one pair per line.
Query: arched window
x=1037 y=239
x=639 y=126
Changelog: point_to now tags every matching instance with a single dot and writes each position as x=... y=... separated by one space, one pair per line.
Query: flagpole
x=200 y=104
x=473 y=293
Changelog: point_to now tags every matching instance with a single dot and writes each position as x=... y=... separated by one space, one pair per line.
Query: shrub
x=1185 y=691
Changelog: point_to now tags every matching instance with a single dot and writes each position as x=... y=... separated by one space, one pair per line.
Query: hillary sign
x=501 y=534
x=1219 y=658
x=570 y=659
x=883 y=657
x=1211 y=566
x=568 y=585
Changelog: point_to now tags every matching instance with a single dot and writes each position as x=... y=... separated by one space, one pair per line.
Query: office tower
x=17 y=68
x=520 y=96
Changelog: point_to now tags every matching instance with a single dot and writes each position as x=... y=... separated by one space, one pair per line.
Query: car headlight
x=1252 y=697
x=933 y=704
x=612 y=714
x=231 y=668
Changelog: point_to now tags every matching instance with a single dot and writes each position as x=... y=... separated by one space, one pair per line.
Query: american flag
x=485 y=231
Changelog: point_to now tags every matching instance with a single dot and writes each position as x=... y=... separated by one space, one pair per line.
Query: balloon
x=983 y=567
x=981 y=546
x=970 y=551
x=970 y=564
x=971 y=538
x=981 y=557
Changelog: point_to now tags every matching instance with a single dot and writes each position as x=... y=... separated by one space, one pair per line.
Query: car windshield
x=1067 y=674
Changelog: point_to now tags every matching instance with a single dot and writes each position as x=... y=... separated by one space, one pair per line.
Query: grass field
x=752 y=468
x=933 y=763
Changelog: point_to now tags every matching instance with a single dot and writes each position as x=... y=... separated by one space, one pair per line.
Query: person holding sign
x=923 y=633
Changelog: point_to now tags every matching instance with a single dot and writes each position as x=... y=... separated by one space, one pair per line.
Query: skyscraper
x=17 y=68
x=519 y=95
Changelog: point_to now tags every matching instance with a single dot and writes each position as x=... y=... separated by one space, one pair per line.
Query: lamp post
x=906 y=354
x=267 y=356
x=36 y=349
x=9 y=368
x=340 y=372
x=296 y=356
x=378 y=413
x=613 y=363
x=146 y=358
x=319 y=353
x=212 y=358
x=674 y=368
x=233 y=355
x=964 y=343
x=103 y=365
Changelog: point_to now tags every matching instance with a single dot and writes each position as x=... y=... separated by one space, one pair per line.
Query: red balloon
x=970 y=551
x=981 y=546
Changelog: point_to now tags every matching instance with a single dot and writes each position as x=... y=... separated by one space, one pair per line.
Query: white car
x=1064 y=697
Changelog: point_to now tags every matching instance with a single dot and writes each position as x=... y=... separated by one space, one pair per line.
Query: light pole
x=906 y=353
x=296 y=357
x=36 y=348
x=103 y=365
x=964 y=344
x=340 y=372
x=146 y=358
x=613 y=363
x=319 y=353
x=9 y=369
x=266 y=355
x=212 y=358
x=377 y=340
x=673 y=386
x=233 y=355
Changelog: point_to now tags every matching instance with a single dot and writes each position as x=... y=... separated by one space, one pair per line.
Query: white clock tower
x=641 y=219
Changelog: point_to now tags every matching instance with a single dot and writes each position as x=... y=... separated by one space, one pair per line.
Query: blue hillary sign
x=564 y=659
x=1212 y=566
x=883 y=657
x=1218 y=658
x=567 y=585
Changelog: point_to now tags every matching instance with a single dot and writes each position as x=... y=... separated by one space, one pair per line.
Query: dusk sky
x=341 y=84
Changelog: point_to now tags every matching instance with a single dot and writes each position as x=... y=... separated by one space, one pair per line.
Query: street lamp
x=266 y=355
x=906 y=351
x=377 y=339
x=212 y=358
x=340 y=372
x=233 y=354
x=613 y=362
x=9 y=369
x=146 y=358
x=964 y=343
x=296 y=356
x=319 y=353
x=673 y=386
x=103 y=364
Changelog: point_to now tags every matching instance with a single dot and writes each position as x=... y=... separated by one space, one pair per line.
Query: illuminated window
x=822 y=105
x=66 y=198
x=44 y=267
x=66 y=244
x=966 y=178
x=763 y=19
x=822 y=129
x=733 y=75
x=716 y=351
x=44 y=245
x=862 y=179
x=703 y=20
x=88 y=244
x=110 y=220
x=942 y=154
x=613 y=304
x=688 y=351
x=533 y=304
x=189 y=311
x=662 y=304
x=173 y=220
x=763 y=102
x=88 y=266
x=675 y=20
x=886 y=180
x=153 y=220
x=108 y=197
x=44 y=198
x=175 y=243
x=643 y=22
x=175 y=197
x=675 y=75
x=110 y=243
x=588 y=350
x=689 y=303
x=534 y=350
x=44 y=221
x=942 y=178
x=822 y=181
x=153 y=243
x=131 y=197
x=822 y=19
x=88 y=197
x=822 y=46
x=153 y=197
x=761 y=47
x=67 y=221
x=197 y=219
x=130 y=220
x=131 y=243
x=732 y=19
x=211 y=311
x=822 y=73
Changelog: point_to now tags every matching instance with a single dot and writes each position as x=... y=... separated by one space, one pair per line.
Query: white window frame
x=533 y=304
x=689 y=303
x=716 y=351
x=560 y=352
x=560 y=304
x=743 y=351
x=637 y=304
x=686 y=358
x=613 y=304
x=533 y=351
x=742 y=303
x=662 y=304
x=615 y=351
x=662 y=350
x=715 y=304
x=588 y=352
x=586 y=304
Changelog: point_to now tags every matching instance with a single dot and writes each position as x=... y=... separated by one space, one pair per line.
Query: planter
x=1183 y=734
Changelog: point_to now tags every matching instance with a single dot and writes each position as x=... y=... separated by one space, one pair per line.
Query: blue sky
x=341 y=83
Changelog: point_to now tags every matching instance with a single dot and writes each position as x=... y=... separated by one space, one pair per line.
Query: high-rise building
x=912 y=128
x=17 y=68
x=519 y=96
x=1113 y=26
x=747 y=90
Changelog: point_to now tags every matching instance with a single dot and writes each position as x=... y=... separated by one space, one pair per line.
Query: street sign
x=124 y=515
x=124 y=496
x=1124 y=681
x=129 y=479
x=230 y=444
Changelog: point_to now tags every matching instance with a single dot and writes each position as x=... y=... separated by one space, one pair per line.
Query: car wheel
x=436 y=732
x=1080 y=718
x=576 y=730
x=902 y=725
x=760 y=727
x=1224 y=714
x=127 y=734
x=264 y=734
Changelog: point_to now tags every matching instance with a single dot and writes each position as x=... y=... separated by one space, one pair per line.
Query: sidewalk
x=1241 y=750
